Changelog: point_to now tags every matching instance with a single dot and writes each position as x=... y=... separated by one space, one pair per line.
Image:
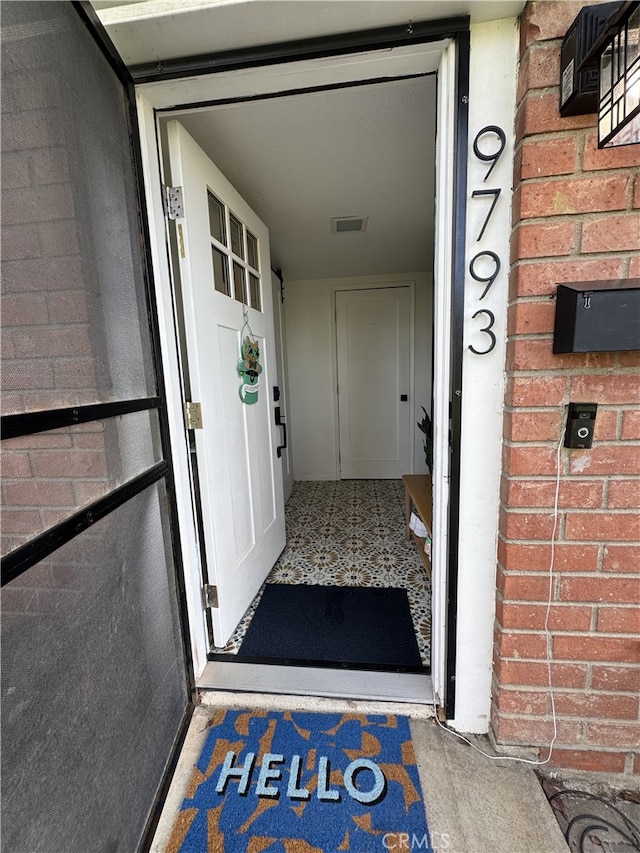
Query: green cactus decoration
x=426 y=428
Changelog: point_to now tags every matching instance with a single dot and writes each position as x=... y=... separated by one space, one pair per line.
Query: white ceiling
x=301 y=160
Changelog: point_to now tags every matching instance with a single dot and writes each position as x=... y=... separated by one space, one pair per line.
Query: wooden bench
x=417 y=492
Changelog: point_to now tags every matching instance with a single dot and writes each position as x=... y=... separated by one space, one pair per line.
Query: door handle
x=281 y=423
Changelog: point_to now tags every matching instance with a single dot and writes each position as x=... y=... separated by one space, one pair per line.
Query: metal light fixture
x=619 y=101
x=600 y=70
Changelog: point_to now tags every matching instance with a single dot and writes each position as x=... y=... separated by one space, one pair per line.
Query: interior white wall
x=311 y=361
x=492 y=92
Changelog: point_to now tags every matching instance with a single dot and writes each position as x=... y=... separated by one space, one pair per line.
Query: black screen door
x=95 y=673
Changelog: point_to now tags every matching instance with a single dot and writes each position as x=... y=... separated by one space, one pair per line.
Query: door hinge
x=173 y=202
x=209 y=596
x=193 y=415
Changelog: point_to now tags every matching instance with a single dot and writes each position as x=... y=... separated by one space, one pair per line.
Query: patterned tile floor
x=352 y=533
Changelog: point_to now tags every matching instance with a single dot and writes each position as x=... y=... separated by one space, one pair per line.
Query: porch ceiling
x=301 y=160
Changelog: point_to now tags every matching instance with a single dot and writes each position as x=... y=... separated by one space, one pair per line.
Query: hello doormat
x=289 y=782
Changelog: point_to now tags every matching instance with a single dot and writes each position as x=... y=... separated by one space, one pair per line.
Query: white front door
x=374 y=378
x=227 y=301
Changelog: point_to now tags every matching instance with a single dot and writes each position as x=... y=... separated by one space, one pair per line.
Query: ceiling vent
x=348 y=224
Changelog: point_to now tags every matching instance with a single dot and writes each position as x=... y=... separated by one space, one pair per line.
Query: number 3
x=487 y=330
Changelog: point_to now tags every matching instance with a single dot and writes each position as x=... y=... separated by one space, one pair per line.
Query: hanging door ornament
x=249 y=366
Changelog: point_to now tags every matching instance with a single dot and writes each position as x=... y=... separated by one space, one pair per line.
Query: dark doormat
x=339 y=624
x=295 y=782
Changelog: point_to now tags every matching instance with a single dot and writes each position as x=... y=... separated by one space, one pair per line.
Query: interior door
x=226 y=285
x=374 y=376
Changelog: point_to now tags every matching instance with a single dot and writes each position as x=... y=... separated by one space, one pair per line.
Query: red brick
x=73 y=464
x=540 y=68
x=74 y=373
x=15 y=464
x=636 y=194
x=547 y=157
x=44 y=275
x=616 y=678
x=621 y=558
x=15 y=174
x=89 y=490
x=522 y=644
x=23 y=374
x=93 y=441
x=545 y=20
x=619 y=620
x=634 y=260
x=606 y=459
x=19 y=243
x=68 y=306
x=544 y=425
x=595 y=648
x=604 y=706
x=529 y=731
x=614 y=734
x=611 y=234
x=606 y=425
x=59 y=438
x=528 y=493
x=621 y=527
x=538 y=113
x=59 y=238
x=41 y=127
x=569 y=196
x=51 y=166
x=537 y=354
x=522 y=702
x=523 y=587
x=567 y=558
x=536 y=391
x=601 y=762
x=610 y=389
x=617 y=157
x=65 y=341
x=24 y=309
x=39 y=204
x=526 y=525
x=631 y=425
x=539 y=278
x=39 y=493
x=528 y=318
x=20 y=521
x=533 y=240
x=529 y=460
x=532 y=617
x=624 y=494
x=531 y=673
x=601 y=588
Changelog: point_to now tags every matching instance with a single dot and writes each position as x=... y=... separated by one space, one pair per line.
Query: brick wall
x=575 y=218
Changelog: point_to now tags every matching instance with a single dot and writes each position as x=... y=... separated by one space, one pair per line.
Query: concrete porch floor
x=473 y=804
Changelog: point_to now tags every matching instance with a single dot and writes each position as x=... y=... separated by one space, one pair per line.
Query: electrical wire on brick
x=548 y=636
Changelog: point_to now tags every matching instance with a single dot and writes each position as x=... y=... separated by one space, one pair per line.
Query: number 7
x=496 y=196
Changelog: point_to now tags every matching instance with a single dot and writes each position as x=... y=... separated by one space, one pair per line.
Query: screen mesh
x=74 y=321
x=92 y=686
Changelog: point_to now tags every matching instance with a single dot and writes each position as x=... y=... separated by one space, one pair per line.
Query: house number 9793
x=488 y=146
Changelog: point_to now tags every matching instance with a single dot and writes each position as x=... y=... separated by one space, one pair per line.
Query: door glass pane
x=237 y=243
x=74 y=314
x=217 y=226
x=92 y=685
x=50 y=475
x=220 y=272
x=238 y=283
x=252 y=251
x=254 y=287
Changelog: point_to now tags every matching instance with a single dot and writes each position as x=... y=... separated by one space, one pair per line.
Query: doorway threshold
x=317 y=681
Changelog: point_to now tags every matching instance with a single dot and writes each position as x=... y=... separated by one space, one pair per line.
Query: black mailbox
x=597 y=316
